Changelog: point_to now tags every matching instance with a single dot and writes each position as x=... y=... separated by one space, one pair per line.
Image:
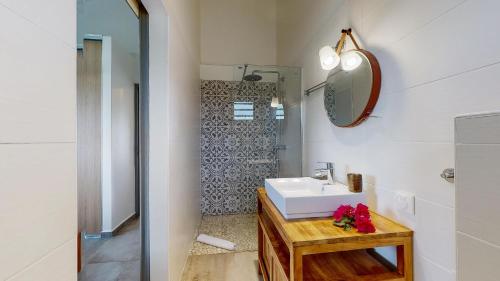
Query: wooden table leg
x=405 y=259
x=296 y=265
x=408 y=259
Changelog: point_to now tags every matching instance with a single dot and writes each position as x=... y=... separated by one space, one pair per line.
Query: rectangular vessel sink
x=307 y=197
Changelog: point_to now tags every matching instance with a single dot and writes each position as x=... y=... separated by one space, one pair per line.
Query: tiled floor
x=239 y=229
x=114 y=259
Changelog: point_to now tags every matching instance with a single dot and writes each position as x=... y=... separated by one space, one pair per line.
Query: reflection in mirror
x=350 y=96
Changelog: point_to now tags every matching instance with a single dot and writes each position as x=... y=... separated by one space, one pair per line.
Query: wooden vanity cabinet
x=314 y=249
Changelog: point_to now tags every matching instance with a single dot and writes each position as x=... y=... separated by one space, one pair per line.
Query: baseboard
x=114 y=232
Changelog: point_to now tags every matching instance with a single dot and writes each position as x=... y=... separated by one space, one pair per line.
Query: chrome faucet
x=326 y=173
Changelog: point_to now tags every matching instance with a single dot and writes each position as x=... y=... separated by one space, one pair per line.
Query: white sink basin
x=307 y=197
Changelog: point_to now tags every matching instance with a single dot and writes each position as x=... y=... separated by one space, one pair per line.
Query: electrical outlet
x=405 y=201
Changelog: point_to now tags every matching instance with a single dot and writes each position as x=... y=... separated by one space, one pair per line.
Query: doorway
x=112 y=136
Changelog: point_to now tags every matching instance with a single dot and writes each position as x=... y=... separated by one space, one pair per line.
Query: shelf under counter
x=314 y=249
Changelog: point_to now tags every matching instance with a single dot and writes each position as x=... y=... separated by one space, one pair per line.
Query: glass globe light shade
x=350 y=60
x=329 y=58
x=275 y=102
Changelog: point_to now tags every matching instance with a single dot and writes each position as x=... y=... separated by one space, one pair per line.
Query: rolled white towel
x=216 y=242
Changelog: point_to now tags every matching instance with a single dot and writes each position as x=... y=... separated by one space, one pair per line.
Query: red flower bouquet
x=347 y=217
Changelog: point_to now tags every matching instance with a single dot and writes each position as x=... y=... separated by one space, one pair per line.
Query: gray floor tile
x=113 y=259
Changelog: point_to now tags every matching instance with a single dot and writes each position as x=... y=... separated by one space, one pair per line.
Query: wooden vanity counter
x=315 y=249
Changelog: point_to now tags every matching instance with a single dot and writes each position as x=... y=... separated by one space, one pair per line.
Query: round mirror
x=351 y=95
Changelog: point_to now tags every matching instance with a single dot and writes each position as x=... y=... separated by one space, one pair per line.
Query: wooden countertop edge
x=278 y=221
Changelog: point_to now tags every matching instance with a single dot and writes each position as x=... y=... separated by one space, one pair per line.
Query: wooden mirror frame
x=374 y=93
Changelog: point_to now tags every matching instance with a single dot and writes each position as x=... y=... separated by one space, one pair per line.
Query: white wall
x=38 y=117
x=122 y=154
x=218 y=72
x=184 y=130
x=158 y=148
x=477 y=140
x=37 y=141
x=431 y=72
x=125 y=74
x=238 y=32
x=115 y=19
x=175 y=133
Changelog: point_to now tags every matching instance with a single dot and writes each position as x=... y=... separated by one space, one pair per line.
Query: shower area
x=250 y=131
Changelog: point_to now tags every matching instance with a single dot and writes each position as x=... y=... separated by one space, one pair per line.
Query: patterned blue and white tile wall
x=236 y=155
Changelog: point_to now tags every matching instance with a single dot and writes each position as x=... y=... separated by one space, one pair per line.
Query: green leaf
x=345 y=223
x=340 y=223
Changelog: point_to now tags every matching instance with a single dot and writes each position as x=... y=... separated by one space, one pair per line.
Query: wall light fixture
x=331 y=57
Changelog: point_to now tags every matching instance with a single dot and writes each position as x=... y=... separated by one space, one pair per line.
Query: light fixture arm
x=340 y=44
x=349 y=32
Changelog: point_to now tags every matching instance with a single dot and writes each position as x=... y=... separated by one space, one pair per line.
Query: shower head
x=252 y=77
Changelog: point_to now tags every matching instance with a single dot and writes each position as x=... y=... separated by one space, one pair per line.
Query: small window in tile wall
x=243 y=110
x=280 y=112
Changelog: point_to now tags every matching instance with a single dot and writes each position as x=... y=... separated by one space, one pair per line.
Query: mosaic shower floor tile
x=240 y=229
